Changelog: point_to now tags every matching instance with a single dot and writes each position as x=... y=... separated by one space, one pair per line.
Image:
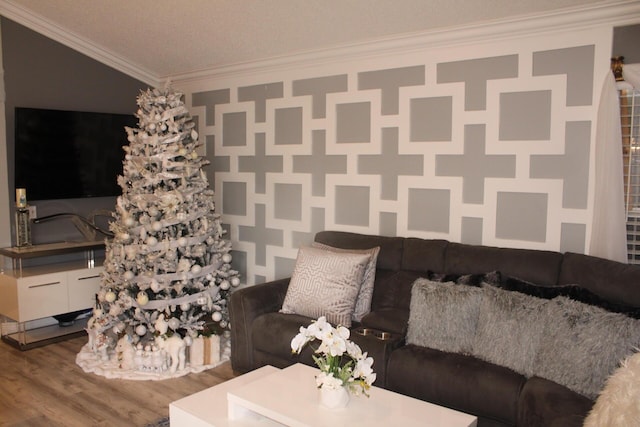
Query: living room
x=486 y=128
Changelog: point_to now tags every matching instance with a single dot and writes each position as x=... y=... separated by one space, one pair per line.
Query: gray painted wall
x=485 y=143
x=41 y=73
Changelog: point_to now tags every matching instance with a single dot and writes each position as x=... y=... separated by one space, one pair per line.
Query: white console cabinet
x=34 y=291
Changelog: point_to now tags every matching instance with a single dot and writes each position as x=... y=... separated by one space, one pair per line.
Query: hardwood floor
x=45 y=387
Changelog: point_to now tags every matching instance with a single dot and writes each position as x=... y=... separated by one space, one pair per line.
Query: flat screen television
x=69 y=154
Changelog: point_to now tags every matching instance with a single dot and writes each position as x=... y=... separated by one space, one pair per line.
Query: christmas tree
x=167 y=272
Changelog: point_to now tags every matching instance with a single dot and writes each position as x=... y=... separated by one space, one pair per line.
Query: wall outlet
x=33 y=214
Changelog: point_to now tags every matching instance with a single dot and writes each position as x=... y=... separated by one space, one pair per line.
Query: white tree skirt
x=92 y=363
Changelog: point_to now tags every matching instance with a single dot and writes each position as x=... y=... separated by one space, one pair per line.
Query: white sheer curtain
x=608 y=234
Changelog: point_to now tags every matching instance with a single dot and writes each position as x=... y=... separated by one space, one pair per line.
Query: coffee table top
x=290 y=397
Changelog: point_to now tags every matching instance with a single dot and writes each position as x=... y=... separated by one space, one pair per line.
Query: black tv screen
x=69 y=154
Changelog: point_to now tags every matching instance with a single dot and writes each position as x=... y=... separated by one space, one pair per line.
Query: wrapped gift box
x=205 y=351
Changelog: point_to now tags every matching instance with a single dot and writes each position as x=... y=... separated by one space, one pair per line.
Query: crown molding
x=575 y=18
x=39 y=24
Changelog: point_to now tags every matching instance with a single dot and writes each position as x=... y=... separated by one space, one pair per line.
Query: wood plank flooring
x=45 y=387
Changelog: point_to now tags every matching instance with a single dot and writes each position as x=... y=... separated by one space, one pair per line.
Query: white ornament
x=185 y=306
x=128 y=221
x=182 y=241
x=224 y=285
x=142 y=298
x=141 y=330
x=226 y=258
x=156 y=226
x=195 y=269
x=153 y=211
x=152 y=241
x=110 y=296
x=174 y=323
x=154 y=285
x=217 y=316
x=235 y=281
x=128 y=275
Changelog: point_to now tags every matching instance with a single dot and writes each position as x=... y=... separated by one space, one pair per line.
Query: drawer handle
x=44 y=284
x=89 y=277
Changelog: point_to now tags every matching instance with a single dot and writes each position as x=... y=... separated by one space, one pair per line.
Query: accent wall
x=482 y=142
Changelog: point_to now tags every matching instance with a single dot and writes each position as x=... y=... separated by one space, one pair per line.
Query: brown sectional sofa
x=260 y=335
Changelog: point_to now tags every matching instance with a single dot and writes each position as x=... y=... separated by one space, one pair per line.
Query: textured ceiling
x=169 y=37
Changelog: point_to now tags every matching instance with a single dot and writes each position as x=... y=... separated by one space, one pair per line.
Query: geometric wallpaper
x=487 y=144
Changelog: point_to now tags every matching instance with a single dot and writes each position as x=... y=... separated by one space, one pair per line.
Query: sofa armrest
x=245 y=305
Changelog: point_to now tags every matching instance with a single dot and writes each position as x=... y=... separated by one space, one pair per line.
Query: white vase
x=334 y=398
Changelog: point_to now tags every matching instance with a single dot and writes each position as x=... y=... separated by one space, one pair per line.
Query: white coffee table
x=289 y=397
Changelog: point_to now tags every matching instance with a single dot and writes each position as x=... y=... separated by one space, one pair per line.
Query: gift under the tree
x=205 y=351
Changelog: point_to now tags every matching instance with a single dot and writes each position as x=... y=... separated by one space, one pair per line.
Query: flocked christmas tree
x=167 y=272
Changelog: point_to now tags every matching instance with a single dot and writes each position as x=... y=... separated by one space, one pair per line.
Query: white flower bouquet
x=342 y=363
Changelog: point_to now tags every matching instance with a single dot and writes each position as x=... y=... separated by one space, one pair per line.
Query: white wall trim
x=612 y=13
x=37 y=23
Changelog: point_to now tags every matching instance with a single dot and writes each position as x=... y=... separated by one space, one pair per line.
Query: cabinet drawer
x=83 y=285
x=42 y=296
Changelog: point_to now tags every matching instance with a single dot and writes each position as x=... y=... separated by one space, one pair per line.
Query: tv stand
x=37 y=285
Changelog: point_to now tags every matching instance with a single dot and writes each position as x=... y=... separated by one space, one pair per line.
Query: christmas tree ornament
x=168 y=263
x=142 y=298
x=110 y=296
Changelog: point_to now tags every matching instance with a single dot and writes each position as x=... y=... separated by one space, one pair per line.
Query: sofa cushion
x=391 y=248
x=611 y=280
x=492 y=277
x=363 y=302
x=573 y=292
x=544 y=403
x=393 y=290
x=460 y=382
x=443 y=316
x=510 y=326
x=533 y=265
x=582 y=345
x=325 y=283
x=423 y=255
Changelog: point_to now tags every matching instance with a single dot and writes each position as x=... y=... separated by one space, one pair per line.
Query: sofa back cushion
x=611 y=280
x=390 y=256
x=393 y=289
x=540 y=267
x=423 y=255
